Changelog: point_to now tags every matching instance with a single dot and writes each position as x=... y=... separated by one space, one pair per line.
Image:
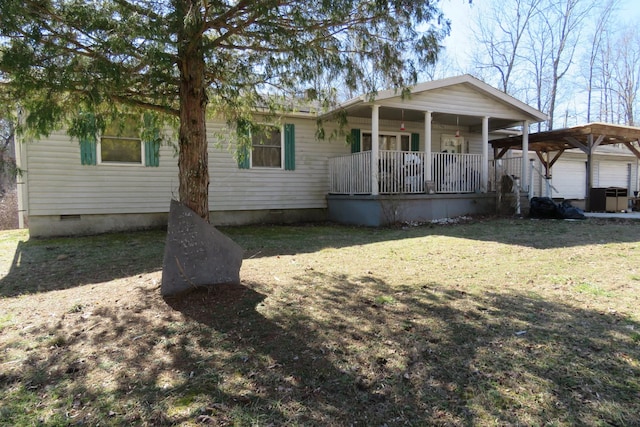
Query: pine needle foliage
x=63 y=60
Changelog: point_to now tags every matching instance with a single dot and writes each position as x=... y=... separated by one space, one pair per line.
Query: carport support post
x=589 y=176
x=484 y=181
x=375 y=148
x=524 y=179
x=427 y=146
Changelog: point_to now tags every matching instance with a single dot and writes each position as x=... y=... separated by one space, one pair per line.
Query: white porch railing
x=402 y=172
x=457 y=173
x=350 y=174
x=498 y=168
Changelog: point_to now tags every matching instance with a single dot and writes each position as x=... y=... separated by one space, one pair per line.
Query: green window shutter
x=355 y=140
x=244 y=144
x=244 y=159
x=150 y=135
x=88 y=151
x=152 y=153
x=289 y=147
x=415 y=142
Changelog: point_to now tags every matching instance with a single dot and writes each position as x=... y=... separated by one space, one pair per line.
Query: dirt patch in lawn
x=490 y=322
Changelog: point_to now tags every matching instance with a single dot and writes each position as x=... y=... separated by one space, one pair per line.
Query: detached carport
x=550 y=145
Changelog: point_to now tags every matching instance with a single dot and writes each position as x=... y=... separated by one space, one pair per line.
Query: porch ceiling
x=574 y=137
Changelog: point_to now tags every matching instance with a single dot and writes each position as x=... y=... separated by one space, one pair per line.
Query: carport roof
x=584 y=137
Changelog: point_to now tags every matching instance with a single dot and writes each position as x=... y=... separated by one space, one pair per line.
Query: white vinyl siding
x=569 y=174
x=234 y=188
x=60 y=185
x=459 y=99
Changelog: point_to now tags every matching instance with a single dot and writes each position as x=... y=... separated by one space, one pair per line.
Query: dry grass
x=492 y=323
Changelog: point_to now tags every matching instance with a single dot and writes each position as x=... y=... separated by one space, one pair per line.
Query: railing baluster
x=402 y=172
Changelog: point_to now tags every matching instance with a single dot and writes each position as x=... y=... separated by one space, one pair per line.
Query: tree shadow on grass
x=355 y=351
x=42 y=265
x=508 y=359
x=207 y=357
x=290 y=378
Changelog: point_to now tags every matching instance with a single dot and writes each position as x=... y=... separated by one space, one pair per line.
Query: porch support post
x=375 y=148
x=485 y=155
x=427 y=146
x=524 y=179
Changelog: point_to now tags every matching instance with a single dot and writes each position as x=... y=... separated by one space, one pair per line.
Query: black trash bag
x=569 y=211
x=544 y=207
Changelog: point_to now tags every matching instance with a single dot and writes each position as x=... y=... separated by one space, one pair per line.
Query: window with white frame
x=388 y=141
x=121 y=143
x=266 y=145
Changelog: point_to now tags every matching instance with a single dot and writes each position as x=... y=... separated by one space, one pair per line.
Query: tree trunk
x=193 y=158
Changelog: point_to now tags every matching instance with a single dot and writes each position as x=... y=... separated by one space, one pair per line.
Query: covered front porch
x=425 y=155
x=408 y=192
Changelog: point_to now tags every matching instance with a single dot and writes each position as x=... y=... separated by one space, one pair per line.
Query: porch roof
x=601 y=134
x=462 y=100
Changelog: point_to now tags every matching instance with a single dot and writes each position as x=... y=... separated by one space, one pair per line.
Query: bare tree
x=447 y=66
x=528 y=48
x=626 y=78
x=599 y=41
x=500 y=35
x=605 y=73
x=7 y=156
x=538 y=66
x=563 y=19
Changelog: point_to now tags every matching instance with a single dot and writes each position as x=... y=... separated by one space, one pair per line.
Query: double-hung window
x=388 y=141
x=121 y=143
x=271 y=147
x=128 y=141
x=266 y=146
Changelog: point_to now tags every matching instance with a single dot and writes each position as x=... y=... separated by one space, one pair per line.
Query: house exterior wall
x=60 y=185
x=457 y=99
x=610 y=169
x=235 y=189
x=64 y=197
x=472 y=140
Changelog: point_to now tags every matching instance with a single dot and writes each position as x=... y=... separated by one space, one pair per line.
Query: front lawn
x=489 y=322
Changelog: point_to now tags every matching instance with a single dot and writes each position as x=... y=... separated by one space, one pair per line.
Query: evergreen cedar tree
x=81 y=63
